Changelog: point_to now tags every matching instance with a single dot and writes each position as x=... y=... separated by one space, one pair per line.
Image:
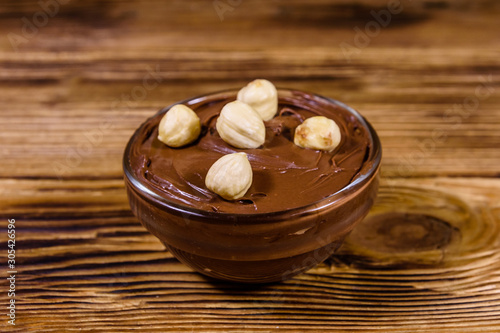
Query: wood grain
x=74 y=92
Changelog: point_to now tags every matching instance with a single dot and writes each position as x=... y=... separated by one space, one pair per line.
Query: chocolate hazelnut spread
x=285 y=176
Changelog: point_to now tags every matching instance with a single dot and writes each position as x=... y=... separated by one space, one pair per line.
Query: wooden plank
x=103 y=271
x=72 y=136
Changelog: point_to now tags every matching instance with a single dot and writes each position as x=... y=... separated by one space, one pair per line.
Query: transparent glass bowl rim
x=360 y=179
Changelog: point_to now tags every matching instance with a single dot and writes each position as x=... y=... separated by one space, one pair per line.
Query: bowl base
x=259 y=271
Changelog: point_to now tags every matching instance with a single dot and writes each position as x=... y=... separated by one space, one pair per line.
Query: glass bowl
x=257 y=247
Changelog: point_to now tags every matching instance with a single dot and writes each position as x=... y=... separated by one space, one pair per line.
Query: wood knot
x=404 y=232
x=414 y=228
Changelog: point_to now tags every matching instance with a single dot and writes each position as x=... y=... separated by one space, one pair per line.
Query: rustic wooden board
x=73 y=92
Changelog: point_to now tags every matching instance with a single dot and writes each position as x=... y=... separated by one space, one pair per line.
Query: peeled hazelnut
x=262 y=96
x=241 y=126
x=317 y=133
x=230 y=176
x=179 y=126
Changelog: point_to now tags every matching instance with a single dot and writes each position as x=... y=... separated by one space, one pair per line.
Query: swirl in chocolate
x=285 y=176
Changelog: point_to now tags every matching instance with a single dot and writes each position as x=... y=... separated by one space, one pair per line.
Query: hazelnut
x=319 y=133
x=179 y=126
x=262 y=96
x=241 y=126
x=230 y=176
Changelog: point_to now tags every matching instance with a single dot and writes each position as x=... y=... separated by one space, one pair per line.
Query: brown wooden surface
x=85 y=263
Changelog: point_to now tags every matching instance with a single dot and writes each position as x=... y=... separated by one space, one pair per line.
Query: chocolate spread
x=285 y=176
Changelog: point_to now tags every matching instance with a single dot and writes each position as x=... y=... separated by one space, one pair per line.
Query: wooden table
x=77 y=78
